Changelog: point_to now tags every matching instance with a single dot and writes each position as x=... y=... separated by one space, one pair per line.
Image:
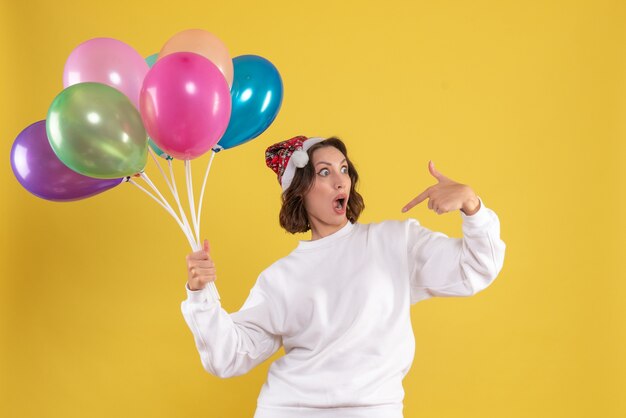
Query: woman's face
x=327 y=200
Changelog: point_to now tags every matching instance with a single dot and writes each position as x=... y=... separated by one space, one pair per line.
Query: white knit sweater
x=340 y=306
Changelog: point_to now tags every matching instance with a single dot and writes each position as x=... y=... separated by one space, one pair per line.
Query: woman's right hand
x=200 y=268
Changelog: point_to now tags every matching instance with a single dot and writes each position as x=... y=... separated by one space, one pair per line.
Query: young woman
x=340 y=303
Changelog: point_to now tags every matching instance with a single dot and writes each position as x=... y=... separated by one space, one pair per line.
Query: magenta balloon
x=107 y=61
x=185 y=104
x=40 y=171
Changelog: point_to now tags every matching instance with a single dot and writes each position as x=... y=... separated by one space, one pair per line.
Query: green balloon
x=96 y=131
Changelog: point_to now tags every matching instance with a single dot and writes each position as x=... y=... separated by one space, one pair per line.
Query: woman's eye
x=344 y=169
x=323 y=172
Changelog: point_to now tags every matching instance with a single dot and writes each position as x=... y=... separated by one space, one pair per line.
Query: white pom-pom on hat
x=300 y=158
x=290 y=170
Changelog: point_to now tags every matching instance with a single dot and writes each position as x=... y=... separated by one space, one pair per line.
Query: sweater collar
x=327 y=240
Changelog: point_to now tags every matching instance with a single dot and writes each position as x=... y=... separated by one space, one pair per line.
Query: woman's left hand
x=447 y=195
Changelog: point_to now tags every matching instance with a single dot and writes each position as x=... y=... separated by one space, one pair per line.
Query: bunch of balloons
x=117 y=107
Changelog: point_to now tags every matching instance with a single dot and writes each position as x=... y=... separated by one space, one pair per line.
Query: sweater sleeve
x=231 y=344
x=443 y=266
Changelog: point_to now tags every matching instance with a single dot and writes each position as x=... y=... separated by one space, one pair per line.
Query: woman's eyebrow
x=324 y=162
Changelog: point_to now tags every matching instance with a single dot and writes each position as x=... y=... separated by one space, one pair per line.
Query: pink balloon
x=185 y=104
x=107 y=61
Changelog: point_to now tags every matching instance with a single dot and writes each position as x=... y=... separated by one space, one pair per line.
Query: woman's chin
x=334 y=218
x=337 y=219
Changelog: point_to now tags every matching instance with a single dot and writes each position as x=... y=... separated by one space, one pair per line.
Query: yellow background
x=522 y=100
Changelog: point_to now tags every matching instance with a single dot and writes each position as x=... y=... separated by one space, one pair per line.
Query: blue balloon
x=256 y=96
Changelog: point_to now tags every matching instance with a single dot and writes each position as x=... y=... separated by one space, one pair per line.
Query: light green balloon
x=96 y=131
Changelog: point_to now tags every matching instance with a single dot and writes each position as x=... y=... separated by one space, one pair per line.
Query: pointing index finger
x=420 y=197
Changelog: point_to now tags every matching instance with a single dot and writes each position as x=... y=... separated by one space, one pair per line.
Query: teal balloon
x=158 y=151
x=256 y=95
x=152 y=59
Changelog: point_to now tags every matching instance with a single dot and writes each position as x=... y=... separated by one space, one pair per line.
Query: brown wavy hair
x=293 y=216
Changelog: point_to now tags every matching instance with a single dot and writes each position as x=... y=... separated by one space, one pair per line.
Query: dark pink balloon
x=40 y=171
x=107 y=61
x=185 y=104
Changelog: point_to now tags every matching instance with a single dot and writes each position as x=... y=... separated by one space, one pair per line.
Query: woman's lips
x=340 y=210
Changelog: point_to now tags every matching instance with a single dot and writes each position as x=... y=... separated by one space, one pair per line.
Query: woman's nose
x=340 y=183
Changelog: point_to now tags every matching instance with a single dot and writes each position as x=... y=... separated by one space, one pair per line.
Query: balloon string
x=211 y=285
x=197 y=245
x=156 y=161
x=192 y=205
x=165 y=202
x=164 y=207
x=144 y=176
x=173 y=190
x=206 y=175
x=169 y=162
x=162 y=199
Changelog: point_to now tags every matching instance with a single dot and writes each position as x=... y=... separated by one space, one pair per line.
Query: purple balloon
x=40 y=171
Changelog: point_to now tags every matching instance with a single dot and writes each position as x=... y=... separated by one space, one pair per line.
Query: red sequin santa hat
x=284 y=157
